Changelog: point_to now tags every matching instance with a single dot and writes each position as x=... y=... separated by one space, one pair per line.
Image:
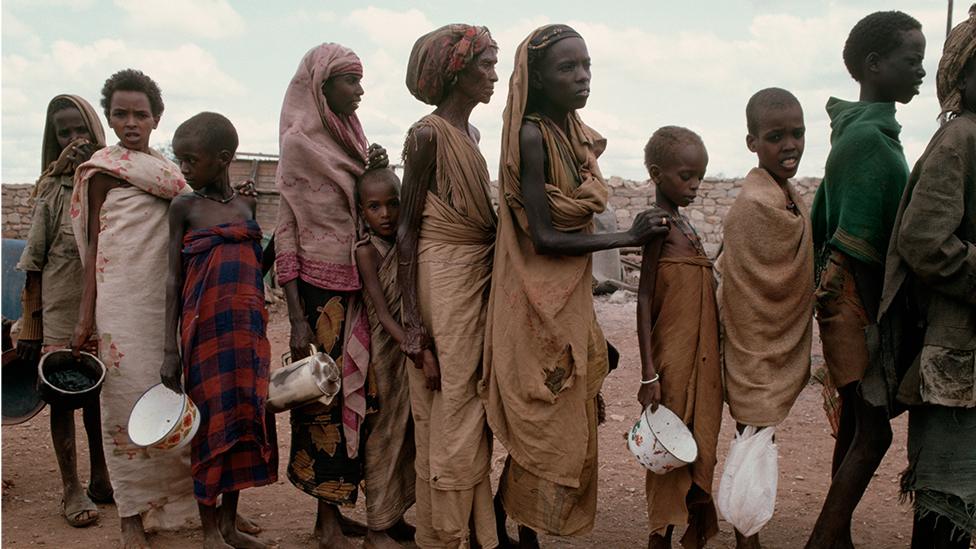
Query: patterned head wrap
x=960 y=47
x=545 y=37
x=438 y=56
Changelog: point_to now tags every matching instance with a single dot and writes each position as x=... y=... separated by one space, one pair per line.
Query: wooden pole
x=949 y=20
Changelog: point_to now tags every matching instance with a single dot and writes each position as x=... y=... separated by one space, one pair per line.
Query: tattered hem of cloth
x=961 y=514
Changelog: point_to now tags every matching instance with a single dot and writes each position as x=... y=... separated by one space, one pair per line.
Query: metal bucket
x=53 y=371
x=315 y=378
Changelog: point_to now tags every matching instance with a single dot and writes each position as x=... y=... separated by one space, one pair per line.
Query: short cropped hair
x=373 y=174
x=215 y=131
x=881 y=33
x=132 y=80
x=764 y=100
x=663 y=142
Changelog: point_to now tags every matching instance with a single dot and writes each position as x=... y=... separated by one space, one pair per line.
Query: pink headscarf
x=322 y=153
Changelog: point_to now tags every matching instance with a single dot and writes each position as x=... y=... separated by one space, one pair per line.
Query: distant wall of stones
x=17 y=207
x=628 y=198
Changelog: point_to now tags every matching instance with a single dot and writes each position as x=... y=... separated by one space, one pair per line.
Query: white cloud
x=189 y=77
x=390 y=27
x=203 y=18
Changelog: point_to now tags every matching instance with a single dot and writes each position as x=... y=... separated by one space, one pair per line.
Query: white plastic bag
x=747 y=494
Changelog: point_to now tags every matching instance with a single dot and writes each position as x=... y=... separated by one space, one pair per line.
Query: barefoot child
x=852 y=216
x=932 y=261
x=766 y=292
x=52 y=293
x=677 y=329
x=215 y=265
x=390 y=451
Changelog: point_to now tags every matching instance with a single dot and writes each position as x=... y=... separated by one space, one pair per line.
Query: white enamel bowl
x=163 y=419
x=661 y=442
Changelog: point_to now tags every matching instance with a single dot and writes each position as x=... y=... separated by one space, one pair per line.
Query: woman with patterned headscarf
x=323 y=151
x=445 y=242
x=931 y=267
x=545 y=354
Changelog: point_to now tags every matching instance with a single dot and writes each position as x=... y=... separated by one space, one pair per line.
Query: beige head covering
x=51 y=149
x=960 y=46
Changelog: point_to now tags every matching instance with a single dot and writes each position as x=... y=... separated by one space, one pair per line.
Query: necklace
x=683 y=225
x=232 y=196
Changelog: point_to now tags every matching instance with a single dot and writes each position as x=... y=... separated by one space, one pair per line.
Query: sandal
x=73 y=516
x=102 y=500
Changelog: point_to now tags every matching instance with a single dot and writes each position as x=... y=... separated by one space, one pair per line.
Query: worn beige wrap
x=130 y=307
x=765 y=301
x=390 y=450
x=457 y=237
x=545 y=355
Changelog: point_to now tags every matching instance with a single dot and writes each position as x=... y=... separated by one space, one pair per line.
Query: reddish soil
x=31 y=487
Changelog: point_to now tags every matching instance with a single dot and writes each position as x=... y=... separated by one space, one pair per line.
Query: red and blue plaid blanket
x=226 y=359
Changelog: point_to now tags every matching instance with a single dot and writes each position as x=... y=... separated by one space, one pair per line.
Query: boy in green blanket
x=852 y=216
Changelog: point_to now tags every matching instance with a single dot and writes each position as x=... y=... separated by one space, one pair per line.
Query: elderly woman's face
x=477 y=80
x=343 y=92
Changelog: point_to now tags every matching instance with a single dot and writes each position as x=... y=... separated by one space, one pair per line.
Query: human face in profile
x=477 y=80
x=899 y=73
x=343 y=92
x=200 y=166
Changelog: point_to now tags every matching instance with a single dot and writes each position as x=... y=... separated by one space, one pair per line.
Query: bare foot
x=247 y=525
x=335 y=540
x=133 y=534
x=352 y=527
x=215 y=542
x=380 y=540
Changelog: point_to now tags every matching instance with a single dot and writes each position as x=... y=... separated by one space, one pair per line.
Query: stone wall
x=17 y=207
x=628 y=198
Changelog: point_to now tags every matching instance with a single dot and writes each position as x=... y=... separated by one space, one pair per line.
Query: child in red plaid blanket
x=215 y=296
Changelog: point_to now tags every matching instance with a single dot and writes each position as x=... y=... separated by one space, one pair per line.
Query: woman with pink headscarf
x=323 y=152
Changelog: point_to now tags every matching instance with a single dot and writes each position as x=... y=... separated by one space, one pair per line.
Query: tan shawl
x=389 y=455
x=129 y=311
x=765 y=301
x=457 y=236
x=537 y=367
x=684 y=344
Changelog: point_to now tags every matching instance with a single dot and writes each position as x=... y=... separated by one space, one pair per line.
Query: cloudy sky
x=654 y=63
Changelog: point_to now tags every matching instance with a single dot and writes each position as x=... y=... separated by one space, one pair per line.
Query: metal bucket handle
x=286 y=356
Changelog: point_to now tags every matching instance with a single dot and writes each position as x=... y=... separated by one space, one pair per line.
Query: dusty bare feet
x=334 y=539
x=239 y=540
x=215 y=541
x=133 y=534
x=247 y=525
x=380 y=540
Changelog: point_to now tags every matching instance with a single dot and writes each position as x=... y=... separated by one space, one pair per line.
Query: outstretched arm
x=98 y=189
x=418 y=179
x=171 y=369
x=649 y=393
x=545 y=238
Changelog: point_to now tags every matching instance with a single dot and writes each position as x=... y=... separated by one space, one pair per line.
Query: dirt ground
x=31 y=488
